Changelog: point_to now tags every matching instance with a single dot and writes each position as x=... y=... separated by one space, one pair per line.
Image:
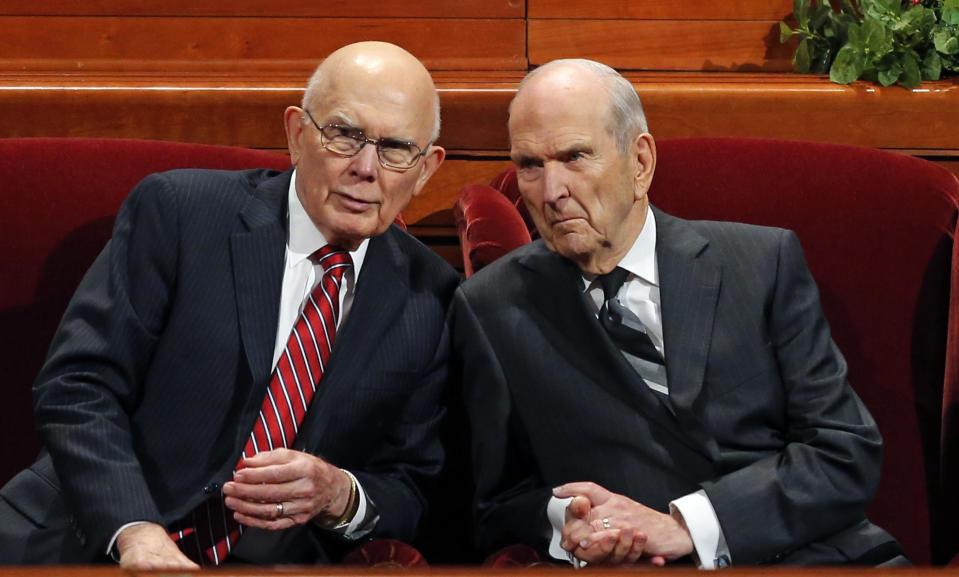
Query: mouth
x=561 y=220
x=353 y=203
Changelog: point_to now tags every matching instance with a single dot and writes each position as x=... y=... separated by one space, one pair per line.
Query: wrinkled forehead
x=542 y=111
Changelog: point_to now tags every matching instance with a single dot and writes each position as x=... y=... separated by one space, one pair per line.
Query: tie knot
x=331 y=257
x=612 y=282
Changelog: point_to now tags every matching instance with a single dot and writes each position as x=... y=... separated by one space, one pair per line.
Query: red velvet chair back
x=58 y=201
x=877 y=229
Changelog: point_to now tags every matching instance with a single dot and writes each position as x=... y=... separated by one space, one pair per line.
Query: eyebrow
x=340 y=119
x=578 y=147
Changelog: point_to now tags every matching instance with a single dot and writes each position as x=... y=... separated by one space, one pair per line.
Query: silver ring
x=606 y=524
x=279 y=510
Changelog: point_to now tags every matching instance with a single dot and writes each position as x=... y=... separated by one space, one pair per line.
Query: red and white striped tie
x=208 y=533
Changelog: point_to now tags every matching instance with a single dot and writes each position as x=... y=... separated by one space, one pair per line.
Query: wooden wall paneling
x=662 y=9
x=474 y=119
x=440 y=192
x=248 y=116
x=266 y=8
x=663 y=44
x=229 y=111
x=802 y=107
x=678 y=105
x=262 y=45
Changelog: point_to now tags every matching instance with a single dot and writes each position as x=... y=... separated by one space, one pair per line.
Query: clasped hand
x=604 y=528
x=283 y=488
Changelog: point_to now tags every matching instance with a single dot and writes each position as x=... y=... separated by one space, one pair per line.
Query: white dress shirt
x=640 y=294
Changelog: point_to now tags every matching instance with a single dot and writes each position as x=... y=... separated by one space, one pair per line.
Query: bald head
x=624 y=116
x=382 y=66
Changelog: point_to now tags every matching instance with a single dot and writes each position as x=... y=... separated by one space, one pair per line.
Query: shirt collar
x=641 y=258
x=304 y=238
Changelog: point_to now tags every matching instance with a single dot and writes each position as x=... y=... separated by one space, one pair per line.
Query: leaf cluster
x=885 y=41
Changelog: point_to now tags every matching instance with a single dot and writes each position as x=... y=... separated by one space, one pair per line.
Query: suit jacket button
x=211 y=488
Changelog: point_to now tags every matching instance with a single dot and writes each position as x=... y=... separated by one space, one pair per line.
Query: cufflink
x=721 y=562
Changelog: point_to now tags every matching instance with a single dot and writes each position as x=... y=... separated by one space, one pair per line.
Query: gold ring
x=279 y=510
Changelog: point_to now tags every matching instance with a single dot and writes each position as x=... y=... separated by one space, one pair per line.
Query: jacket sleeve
x=827 y=470
x=511 y=497
x=91 y=380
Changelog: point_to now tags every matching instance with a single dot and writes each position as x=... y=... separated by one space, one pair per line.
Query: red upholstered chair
x=878 y=230
x=386 y=554
x=59 y=197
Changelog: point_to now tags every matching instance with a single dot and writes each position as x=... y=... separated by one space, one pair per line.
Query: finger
x=267 y=493
x=622 y=547
x=272 y=457
x=595 y=493
x=268 y=510
x=268 y=524
x=600 y=522
x=164 y=557
x=579 y=507
x=288 y=470
x=574 y=532
x=636 y=551
x=596 y=548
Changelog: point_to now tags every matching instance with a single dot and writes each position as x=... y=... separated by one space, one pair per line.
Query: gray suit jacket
x=162 y=360
x=759 y=413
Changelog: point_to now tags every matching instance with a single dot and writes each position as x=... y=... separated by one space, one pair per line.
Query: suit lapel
x=689 y=286
x=258 y=256
x=381 y=290
x=556 y=297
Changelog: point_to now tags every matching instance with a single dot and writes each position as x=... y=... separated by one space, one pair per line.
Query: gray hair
x=626 y=117
x=315 y=86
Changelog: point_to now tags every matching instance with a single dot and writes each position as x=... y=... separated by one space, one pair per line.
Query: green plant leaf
x=879 y=9
x=931 y=66
x=801 y=12
x=918 y=20
x=820 y=15
x=848 y=65
x=945 y=42
x=802 y=57
x=785 y=32
x=889 y=70
x=950 y=12
x=874 y=39
x=911 y=76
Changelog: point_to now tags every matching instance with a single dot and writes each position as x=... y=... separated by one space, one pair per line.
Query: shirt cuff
x=365 y=519
x=111 y=551
x=697 y=513
x=556 y=513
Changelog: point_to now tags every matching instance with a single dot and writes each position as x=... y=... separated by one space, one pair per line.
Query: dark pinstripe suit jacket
x=163 y=357
x=759 y=415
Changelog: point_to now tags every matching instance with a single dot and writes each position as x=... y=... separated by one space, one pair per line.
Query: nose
x=365 y=163
x=554 y=183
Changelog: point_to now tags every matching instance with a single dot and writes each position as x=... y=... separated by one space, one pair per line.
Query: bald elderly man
x=251 y=369
x=646 y=389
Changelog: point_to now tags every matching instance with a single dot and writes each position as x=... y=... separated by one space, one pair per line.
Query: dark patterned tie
x=208 y=533
x=623 y=326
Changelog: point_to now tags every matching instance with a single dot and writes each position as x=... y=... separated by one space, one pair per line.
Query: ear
x=644 y=149
x=293 y=123
x=431 y=161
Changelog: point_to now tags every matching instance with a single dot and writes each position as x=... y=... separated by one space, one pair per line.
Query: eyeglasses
x=349 y=141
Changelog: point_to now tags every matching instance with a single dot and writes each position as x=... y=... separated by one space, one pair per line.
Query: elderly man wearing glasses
x=251 y=371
